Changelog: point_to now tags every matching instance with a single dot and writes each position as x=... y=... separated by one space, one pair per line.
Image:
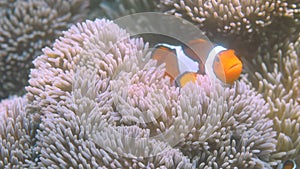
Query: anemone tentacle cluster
x=17 y=134
x=279 y=83
x=113 y=9
x=27 y=27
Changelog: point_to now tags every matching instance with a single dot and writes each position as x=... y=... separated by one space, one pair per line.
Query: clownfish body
x=198 y=57
x=289 y=164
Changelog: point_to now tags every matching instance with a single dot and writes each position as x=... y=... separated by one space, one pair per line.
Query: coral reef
x=27 y=27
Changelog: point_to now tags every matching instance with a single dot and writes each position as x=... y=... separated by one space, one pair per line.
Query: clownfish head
x=227 y=66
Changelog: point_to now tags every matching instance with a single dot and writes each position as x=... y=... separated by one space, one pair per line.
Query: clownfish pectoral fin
x=166 y=55
x=184 y=78
x=289 y=164
x=227 y=66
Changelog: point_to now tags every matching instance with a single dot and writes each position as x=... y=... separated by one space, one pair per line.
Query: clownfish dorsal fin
x=198 y=49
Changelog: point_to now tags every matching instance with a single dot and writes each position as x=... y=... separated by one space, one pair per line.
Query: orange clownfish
x=183 y=63
x=289 y=164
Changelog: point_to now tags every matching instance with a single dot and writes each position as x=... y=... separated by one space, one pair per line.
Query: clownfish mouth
x=237 y=65
x=234 y=71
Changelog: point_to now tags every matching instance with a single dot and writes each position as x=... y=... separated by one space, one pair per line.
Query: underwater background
x=79 y=92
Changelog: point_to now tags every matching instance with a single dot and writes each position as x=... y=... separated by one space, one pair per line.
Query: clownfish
x=184 y=62
x=289 y=164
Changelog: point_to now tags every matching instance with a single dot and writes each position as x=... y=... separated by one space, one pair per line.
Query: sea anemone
x=288 y=8
x=76 y=82
x=113 y=9
x=17 y=134
x=104 y=102
x=27 y=27
x=278 y=79
x=223 y=16
x=230 y=128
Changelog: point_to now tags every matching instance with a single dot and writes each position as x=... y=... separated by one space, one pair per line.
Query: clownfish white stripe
x=210 y=61
x=185 y=63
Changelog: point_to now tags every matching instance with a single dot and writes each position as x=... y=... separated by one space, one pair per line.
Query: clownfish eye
x=289 y=164
x=217 y=59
